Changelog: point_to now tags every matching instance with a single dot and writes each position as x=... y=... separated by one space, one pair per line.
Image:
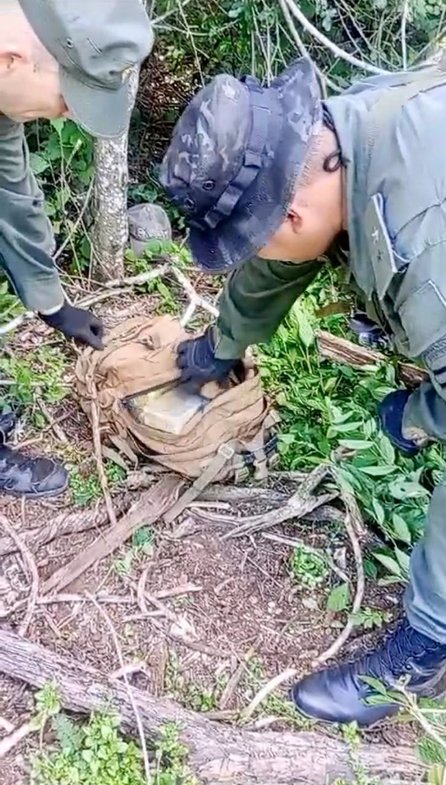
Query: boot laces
x=403 y=647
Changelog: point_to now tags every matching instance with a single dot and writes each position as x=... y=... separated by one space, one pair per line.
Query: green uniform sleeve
x=256 y=298
x=421 y=307
x=26 y=239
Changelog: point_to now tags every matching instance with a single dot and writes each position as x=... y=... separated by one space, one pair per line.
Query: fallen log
x=343 y=351
x=218 y=755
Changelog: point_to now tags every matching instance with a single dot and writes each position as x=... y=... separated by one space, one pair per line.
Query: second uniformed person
x=266 y=174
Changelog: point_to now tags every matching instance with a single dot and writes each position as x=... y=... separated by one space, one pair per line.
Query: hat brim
x=296 y=96
x=102 y=112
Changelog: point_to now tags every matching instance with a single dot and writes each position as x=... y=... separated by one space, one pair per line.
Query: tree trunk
x=218 y=755
x=110 y=231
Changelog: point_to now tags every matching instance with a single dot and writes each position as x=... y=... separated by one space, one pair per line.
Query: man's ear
x=295 y=220
x=9 y=61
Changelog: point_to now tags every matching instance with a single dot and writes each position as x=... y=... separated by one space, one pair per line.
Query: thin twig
x=30 y=565
x=234 y=681
x=129 y=670
x=404 y=18
x=272 y=685
x=55 y=427
x=98 y=452
x=139 y=722
x=78 y=220
x=313 y=31
x=354 y=526
x=11 y=741
x=5 y=725
x=196 y=301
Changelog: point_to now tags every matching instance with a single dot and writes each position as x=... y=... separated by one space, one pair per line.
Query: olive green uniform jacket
x=26 y=239
x=392 y=132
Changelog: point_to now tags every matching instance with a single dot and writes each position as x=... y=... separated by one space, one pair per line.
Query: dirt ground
x=240 y=602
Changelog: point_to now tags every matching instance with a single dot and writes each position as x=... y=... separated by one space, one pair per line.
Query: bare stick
x=11 y=741
x=404 y=17
x=310 y=28
x=272 y=685
x=196 y=301
x=5 y=725
x=66 y=523
x=98 y=452
x=299 y=504
x=77 y=222
x=56 y=428
x=234 y=681
x=341 y=350
x=353 y=525
x=123 y=673
x=30 y=565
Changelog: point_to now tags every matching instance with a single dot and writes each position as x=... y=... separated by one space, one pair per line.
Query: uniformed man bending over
x=267 y=174
x=57 y=58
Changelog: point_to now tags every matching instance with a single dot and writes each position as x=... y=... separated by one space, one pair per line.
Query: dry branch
x=343 y=351
x=9 y=742
x=355 y=529
x=297 y=506
x=149 y=508
x=66 y=523
x=30 y=566
x=218 y=754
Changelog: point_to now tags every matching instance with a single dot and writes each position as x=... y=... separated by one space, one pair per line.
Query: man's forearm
x=255 y=300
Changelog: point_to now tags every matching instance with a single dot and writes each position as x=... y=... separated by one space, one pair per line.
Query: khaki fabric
x=141 y=356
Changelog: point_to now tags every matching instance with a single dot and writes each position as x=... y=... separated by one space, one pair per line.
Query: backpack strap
x=224 y=455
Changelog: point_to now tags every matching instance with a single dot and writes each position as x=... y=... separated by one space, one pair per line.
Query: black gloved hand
x=77 y=323
x=198 y=364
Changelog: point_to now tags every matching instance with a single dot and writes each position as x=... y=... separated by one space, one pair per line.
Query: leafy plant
x=308 y=568
x=85 y=485
x=96 y=753
x=369 y=618
x=143 y=542
x=328 y=412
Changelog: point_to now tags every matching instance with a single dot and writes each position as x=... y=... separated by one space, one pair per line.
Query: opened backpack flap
x=218 y=434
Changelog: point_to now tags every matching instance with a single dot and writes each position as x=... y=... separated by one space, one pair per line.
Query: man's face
x=29 y=76
x=301 y=237
x=30 y=91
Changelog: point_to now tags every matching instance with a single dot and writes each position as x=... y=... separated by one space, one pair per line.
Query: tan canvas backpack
x=231 y=436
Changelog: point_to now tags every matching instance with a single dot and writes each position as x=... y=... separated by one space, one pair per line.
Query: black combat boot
x=30 y=477
x=340 y=694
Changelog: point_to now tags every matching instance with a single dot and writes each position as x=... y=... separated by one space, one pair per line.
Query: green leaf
x=378 y=509
x=38 y=163
x=355 y=444
x=58 y=124
x=339 y=598
x=389 y=563
x=387 y=449
x=306 y=333
x=403 y=560
x=377 y=471
x=401 y=529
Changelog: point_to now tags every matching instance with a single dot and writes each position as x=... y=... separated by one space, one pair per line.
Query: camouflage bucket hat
x=235 y=158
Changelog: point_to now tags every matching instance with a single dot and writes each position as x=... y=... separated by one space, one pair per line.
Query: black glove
x=198 y=364
x=77 y=323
